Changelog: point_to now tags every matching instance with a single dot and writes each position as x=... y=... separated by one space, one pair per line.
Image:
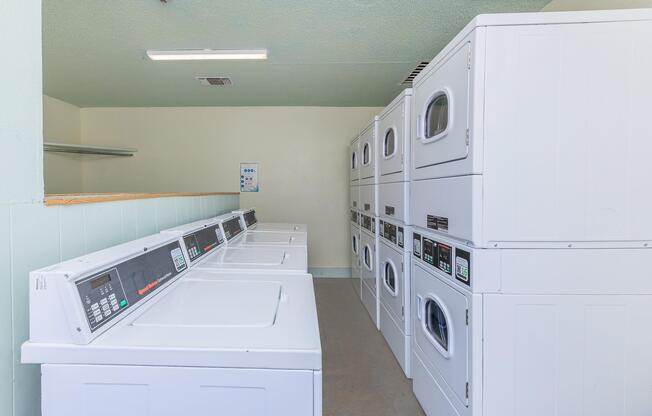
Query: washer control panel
x=437 y=254
x=250 y=218
x=110 y=292
x=445 y=257
x=232 y=228
x=203 y=241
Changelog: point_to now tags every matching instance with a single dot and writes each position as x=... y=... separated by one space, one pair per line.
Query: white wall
x=566 y=5
x=61 y=124
x=302 y=151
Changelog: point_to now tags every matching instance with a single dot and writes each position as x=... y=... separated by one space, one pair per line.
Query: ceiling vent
x=408 y=80
x=215 y=81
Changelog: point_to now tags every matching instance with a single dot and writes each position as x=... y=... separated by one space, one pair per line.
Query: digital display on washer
x=250 y=218
x=202 y=241
x=107 y=294
x=232 y=228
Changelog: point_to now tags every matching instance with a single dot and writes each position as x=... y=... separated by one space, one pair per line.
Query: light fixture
x=206 y=54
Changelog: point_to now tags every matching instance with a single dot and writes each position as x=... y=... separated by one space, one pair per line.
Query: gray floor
x=361 y=376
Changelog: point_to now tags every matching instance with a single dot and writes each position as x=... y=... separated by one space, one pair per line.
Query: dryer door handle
x=419 y=306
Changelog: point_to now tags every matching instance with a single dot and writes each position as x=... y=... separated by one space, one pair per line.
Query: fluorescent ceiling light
x=206 y=54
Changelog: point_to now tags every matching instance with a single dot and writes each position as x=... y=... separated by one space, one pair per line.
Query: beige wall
x=564 y=5
x=62 y=172
x=302 y=151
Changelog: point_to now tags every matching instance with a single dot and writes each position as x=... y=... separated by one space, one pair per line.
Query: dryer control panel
x=232 y=228
x=368 y=223
x=108 y=293
x=355 y=217
x=393 y=233
x=202 y=241
x=452 y=260
x=250 y=218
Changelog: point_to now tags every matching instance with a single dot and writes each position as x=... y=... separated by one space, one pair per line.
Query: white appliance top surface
x=271 y=238
x=278 y=226
x=266 y=258
x=209 y=319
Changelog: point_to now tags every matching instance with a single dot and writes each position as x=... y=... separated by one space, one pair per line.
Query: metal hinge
x=467 y=317
x=467 y=389
x=468 y=61
x=468 y=136
x=402 y=310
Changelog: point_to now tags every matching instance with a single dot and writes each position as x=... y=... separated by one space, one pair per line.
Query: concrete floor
x=361 y=376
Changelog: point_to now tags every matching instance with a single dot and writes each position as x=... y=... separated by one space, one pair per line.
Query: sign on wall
x=248 y=177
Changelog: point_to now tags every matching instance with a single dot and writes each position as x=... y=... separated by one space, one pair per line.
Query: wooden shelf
x=71 y=199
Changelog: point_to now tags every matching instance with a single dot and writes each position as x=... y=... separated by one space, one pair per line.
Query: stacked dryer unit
x=394 y=231
x=354 y=204
x=530 y=197
x=369 y=219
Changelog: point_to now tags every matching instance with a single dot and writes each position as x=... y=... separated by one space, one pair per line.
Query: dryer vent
x=408 y=80
x=215 y=81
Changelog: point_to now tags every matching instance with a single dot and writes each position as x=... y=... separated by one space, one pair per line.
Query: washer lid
x=277 y=226
x=269 y=257
x=215 y=304
x=272 y=238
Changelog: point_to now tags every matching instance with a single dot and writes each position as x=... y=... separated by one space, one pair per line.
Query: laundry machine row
x=530 y=231
x=249 y=222
x=135 y=330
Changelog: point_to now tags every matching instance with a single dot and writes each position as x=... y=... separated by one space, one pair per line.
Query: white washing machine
x=236 y=236
x=369 y=154
x=354 y=162
x=394 y=140
x=205 y=246
x=356 y=263
x=250 y=223
x=513 y=145
x=530 y=331
x=131 y=331
x=369 y=269
x=394 y=289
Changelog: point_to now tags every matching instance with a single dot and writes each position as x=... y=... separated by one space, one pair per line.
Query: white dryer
x=130 y=330
x=394 y=142
x=354 y=161
x=394 y=289
x=250 y=223
x=513 y=145
x=369 y=269
x=369 y=154
x=498 y=331
x=356 y=263
x=205 y=246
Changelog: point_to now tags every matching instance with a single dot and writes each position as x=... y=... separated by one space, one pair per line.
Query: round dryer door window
x=389 y=277
x=366 y=156
x=367 y=257
x=437 y=116
x=436 y=323
x=389 y=145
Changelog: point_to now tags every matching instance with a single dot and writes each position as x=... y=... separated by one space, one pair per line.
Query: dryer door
x=354 y=162
x=441 y=101
x=367 y=153
x=368 y=260
x=440 y=329
x=392 y=281
x=391 y=134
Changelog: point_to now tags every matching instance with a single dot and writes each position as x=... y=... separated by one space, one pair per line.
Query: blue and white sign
x=248 y=177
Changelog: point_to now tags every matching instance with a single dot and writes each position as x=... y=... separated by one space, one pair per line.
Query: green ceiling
x=321 y=53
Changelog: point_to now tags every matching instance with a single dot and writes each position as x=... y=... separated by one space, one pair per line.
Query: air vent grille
x=215 y=81
x=408 y=80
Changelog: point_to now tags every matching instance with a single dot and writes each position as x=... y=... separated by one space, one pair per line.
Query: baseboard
x=330 y=272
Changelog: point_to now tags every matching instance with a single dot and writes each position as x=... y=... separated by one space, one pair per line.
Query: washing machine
x=354 y=162
x=356 y=263
x=237 y=236
x=369 y=269
x=369 y=153
x=250 y=223
x=512 y=143
x=529 y=331
x=204 y=244
x=131 y=330
x=394 y=140
x=395 y=289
